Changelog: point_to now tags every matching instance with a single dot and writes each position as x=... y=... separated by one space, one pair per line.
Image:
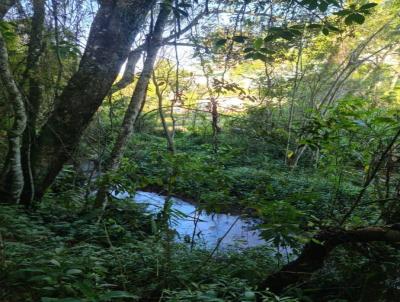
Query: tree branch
x=317 y=250
x=129 y=73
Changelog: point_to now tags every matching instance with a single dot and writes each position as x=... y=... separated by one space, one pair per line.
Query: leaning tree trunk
x=111 y=35
x=12 y=181
x=316 y=252
x=138 y=97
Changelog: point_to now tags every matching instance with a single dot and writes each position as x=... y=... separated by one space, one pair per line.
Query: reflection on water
x=235 y=231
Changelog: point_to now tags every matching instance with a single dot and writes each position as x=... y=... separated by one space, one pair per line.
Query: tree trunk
x=35 y=94
x=138 y=96
x=168 y=135
x=5 y=6
x=12 y=181
x=215 y=122
x=111 y=35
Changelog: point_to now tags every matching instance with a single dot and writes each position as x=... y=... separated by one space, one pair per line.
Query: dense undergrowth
x=63 y=253
x=64 y=250
x=282 y=112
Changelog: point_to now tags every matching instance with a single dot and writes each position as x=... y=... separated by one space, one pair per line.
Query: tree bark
x=35 y=94
x=5 y=6
x=216 y=129
x=12 y=181
x=316 y=251
x=112 y=33
x=129 y=73
x=138 y=96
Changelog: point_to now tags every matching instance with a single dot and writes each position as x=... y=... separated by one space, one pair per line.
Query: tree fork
x=138 y=97
x=112 y=33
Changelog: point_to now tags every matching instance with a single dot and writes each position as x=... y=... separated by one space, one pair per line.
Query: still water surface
x=233 y=230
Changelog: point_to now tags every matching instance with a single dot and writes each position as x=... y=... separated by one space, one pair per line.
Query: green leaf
x=239 y=39
x=249 y=295
x=384 y=119
x=286 y=34
x=117 y=294
x=354 y=18
x=260 y=56
x=311 y=4
x=49 y=288
x=314 y=26
x=316 y=241
x=73 y=271
x=332 y=28
x=249 y=55
x=368 y=6
x=323 y=6
x=258 y=43
x=295 y=32
x=31 y=270
x=41 y=278
x=55 y=262
x=270 y=37
x=220 y=42
x=46 y=299
x=267 y=50
x=358 y=18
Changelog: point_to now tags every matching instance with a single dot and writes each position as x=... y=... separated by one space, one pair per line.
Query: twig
x=222 y=238
x=370 y=176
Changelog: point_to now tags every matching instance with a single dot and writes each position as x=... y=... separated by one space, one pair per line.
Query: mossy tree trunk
x=12 y=182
